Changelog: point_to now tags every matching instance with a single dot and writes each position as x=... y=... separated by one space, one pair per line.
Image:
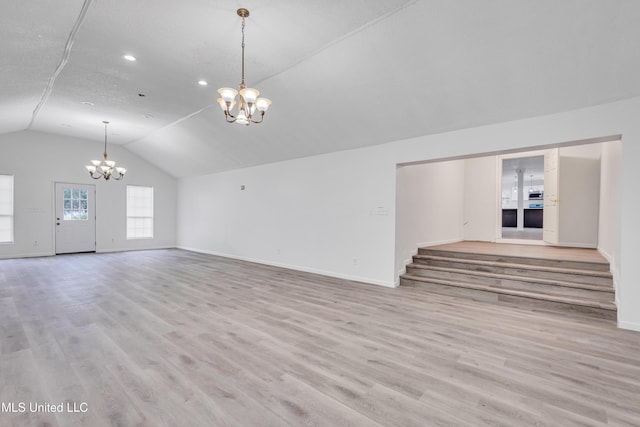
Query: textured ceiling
x=341 y=74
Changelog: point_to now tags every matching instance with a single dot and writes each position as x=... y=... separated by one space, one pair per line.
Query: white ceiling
x=341 y=74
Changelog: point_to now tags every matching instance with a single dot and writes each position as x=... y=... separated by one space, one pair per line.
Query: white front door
x=75 y=218
x=551 y=212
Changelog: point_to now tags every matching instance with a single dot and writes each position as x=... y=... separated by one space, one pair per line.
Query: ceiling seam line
x=173 y=123
x=65 y=58
x=311 y=55
x=341 y=38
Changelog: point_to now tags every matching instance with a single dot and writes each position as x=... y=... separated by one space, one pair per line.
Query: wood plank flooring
x=533 y=251
x=174 y=338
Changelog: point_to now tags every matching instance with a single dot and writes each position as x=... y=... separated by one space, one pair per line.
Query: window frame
x=128 y=216
x=13 y=210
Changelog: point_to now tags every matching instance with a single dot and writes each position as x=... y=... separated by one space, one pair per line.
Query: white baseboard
x=295 y=267
x=403 y=270
x=522 y=242
x=150 y=248
x=632 y=326
x=98 y=251
x=438 y=242
x=414 y=251
x=606 y=255
x=27 y=255
x=578 y=245
x=614 y=272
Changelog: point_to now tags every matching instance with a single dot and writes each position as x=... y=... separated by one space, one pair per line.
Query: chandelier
x=105 y=168
x=249 y=101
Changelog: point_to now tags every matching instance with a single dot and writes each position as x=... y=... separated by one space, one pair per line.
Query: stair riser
x=607 y=294
x=487 y=296
x=568 y=277
x=596 y=266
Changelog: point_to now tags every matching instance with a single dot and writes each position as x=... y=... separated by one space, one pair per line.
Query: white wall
x=579 y=191
x=38 y=160
x=481 y=200
x=331 y=214
x=429 y=207
x=343 y=188
x=580 y=188
x=609 y=217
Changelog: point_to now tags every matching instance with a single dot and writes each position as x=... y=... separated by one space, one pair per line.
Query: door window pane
x=75 y=204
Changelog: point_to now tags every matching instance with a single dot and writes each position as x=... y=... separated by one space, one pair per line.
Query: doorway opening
x=458 y=199
x=522 y=198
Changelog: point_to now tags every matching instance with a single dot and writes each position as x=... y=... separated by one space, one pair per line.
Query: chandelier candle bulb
x=249 y=102
x=262 y=104
x=227 y=94
x=250 y=95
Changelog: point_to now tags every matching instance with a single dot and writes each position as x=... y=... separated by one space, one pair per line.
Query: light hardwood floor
x=175 y=338
x=534 y=251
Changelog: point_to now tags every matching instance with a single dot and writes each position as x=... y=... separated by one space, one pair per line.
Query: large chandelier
x=105 y=168
x=249 y=101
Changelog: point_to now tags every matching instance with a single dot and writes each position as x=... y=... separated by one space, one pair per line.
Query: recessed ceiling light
x=88 y=103
x=203 y=83
x=129 y=57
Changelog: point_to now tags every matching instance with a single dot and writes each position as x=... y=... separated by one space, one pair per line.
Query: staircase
x=584 y=287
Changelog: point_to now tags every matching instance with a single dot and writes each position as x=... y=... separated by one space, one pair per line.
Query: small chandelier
x=249 y=101
x=105 y=168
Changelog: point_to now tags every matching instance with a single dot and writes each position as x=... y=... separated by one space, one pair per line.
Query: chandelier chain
x=243 y=22
x=105 y=139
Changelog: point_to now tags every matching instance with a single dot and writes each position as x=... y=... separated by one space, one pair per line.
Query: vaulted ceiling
x=341 y=74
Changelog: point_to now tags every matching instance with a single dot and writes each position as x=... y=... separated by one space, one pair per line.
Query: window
x=6 y=208
x=139 y=212
x=75 y=204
